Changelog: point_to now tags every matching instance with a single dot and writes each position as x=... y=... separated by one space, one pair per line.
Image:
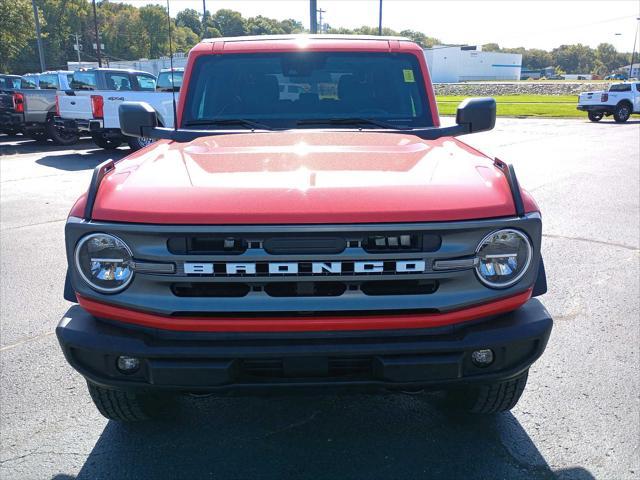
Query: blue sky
x=511 y=23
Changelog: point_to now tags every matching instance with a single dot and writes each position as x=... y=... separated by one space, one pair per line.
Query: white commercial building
x=464 y=64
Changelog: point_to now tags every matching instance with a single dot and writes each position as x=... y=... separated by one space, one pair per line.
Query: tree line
x=130 y=33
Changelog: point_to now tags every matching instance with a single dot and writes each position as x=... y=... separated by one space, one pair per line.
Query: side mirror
x=136 y=116
x=477 y=114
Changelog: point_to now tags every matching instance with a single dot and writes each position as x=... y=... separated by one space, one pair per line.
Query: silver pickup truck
x=31 y=108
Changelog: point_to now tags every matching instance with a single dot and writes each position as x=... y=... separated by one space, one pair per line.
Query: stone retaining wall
x=491 y=89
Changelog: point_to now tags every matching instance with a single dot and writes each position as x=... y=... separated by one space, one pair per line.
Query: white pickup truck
x=621 y=100
x=91 y=107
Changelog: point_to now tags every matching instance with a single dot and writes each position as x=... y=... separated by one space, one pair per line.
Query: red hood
x=304 y=177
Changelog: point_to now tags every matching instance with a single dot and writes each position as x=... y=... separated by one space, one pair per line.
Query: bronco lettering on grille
x=312 y=268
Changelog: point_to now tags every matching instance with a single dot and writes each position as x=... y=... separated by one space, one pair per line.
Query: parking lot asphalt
x=579 y=417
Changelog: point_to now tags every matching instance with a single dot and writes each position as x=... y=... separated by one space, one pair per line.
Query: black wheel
x=40 y=137
x=488 y=398
x=136 y=143
x=11 y=133
x=60 y=136
x=127 y=406
x=622 y=112
x=595 y=116
x=106 y=143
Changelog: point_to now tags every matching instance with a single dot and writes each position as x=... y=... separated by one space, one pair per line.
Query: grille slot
x=305 y=289
x=399 y=287
x=207 y=245
x=304 y=245
x=187 y=289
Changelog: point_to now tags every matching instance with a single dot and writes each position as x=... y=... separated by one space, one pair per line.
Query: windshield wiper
x=351 y=121
x=229 y=121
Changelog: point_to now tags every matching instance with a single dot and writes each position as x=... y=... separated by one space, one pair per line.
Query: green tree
x=536 y=58
x=263 y=26
x=229 y=23
x=576 y=58
x=607 y=58
x=290 y=25
x=16 y=31
x=191 y=19
x=491 y=47
x=153 y=19
x=420 y=38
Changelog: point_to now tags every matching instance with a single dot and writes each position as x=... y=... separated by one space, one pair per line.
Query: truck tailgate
x=76 y=107
x=591 y=98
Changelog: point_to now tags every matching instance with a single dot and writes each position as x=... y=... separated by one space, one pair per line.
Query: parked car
x=92 y=106
x=621 y=100
x=169 y=80
x=616 y=76
x=31 y=108
x=346 y=242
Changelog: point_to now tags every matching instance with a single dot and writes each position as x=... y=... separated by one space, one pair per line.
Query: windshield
x=281 y=90
x=164 y=80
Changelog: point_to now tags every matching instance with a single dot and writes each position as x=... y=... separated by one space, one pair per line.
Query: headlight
x=503 y=258
x=105 y=262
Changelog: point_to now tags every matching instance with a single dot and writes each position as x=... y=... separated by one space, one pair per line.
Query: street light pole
x=380 y=19
x=39 y=40
x=95 y=24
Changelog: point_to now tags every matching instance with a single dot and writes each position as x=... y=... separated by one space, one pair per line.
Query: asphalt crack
x=592 y=240
x=25 y=340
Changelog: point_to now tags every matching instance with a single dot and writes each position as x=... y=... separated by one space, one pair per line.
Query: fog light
x=128 y=364
x=482 y=358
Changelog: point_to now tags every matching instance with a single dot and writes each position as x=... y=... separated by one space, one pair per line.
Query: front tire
x=136 y=143
x=122 y=406
x=489 y=398
x=595 y=116
x=622 y=112
x=106 y=143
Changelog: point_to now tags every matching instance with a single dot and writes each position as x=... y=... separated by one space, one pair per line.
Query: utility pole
x=78 y=49
x=39 y=40
x=95 y=24
x=380 y=19
x=321 y=11
x=633 y=53
x=204 y=16
x=313 y=12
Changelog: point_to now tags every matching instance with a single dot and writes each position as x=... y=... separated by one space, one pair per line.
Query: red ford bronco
x=307 y=225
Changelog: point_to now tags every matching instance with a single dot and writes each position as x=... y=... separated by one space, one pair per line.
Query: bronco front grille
x=292 y=270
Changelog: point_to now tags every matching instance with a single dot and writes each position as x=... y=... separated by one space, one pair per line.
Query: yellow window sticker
x=408 y=76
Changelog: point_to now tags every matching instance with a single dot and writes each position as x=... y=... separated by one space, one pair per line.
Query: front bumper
x=257 y=362
x=11 y=121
